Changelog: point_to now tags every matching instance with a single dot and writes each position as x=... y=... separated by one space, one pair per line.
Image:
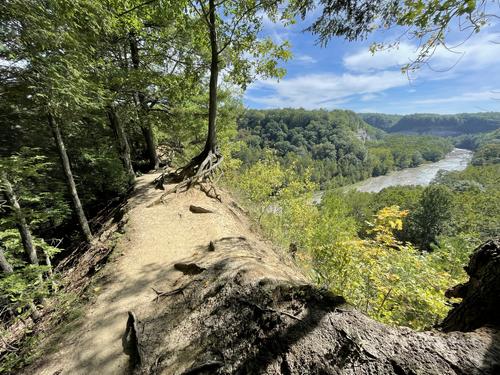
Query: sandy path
x=155 y=239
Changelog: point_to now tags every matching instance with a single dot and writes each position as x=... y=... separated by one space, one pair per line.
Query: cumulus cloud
x=322 y=90
x=365 y=61
x=478 y=52
x=480 y=96
x=363 y=77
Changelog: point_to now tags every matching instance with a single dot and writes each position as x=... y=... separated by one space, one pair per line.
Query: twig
x=269 y=309
x=161 y=293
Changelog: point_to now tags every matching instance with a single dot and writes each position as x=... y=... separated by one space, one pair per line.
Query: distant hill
x=434 y=124
x=380 y=120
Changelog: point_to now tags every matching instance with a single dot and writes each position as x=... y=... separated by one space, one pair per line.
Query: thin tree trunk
x=4 y=264
x=22 y=225
x=211 y=142
x=84 y=225
x=121 y=139
x=146 y=129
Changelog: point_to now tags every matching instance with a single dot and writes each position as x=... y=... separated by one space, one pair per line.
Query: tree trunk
x=122 y=141
x=146 y=129
x=21 y=223
x=4 y=264
x=211 y=142
x=84 y=225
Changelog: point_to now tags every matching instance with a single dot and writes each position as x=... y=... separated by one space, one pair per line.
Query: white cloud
x=479 y=52
x=368 y=97
x=323 y=90
x=366 y=61
x=481 y=96
x=305 y=59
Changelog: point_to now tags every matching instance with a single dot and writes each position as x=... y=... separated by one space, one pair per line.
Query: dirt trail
x=156 y=238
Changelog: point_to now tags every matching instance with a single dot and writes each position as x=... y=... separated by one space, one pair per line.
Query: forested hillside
x=380 y=120
x=337 y=146
x=442 y=125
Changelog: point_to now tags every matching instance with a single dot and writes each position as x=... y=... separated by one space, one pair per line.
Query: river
x=456 y=160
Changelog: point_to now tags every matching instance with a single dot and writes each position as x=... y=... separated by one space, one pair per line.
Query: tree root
x=269 y=309
x=199 y=170
x=130 y=341
x=204 y=367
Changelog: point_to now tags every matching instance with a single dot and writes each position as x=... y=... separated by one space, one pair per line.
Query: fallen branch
x=161 y=293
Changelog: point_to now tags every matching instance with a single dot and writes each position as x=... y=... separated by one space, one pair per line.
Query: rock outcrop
x=247 y=313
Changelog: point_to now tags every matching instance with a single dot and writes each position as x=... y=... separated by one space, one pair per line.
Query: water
x=456 y=160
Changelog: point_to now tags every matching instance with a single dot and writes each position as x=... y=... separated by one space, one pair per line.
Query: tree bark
x=146 y=128
x=77 y=205
x=4 y=264
x=22 y=225
x=211 y=142
x=122 y=141
x=147 y=132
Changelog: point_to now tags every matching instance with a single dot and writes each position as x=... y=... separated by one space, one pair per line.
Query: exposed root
x=130 y=341
x=204 y=367
x=268 y=309
x=200 y=169
x=210 y=191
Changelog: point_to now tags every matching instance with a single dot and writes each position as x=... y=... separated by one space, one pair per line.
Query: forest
x=445 y=125
x=338 y=147
x=97 y=95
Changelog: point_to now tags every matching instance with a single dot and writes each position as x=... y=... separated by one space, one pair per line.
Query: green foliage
x=432 y=215
x=349 y=243
x=409 y=151
x=337 y=146
x=31 y=176
x=380 y=120
x=487 y=154
x=28 y=283
x=268 y=182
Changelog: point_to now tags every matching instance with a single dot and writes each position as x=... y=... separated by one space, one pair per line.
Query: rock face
x=249 y=312
x=480 y=295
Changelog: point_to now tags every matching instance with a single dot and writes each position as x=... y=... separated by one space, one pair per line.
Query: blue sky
x=346 y=75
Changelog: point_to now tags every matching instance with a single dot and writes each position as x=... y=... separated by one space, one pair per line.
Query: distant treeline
x=338 y=147
x=445 y=125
